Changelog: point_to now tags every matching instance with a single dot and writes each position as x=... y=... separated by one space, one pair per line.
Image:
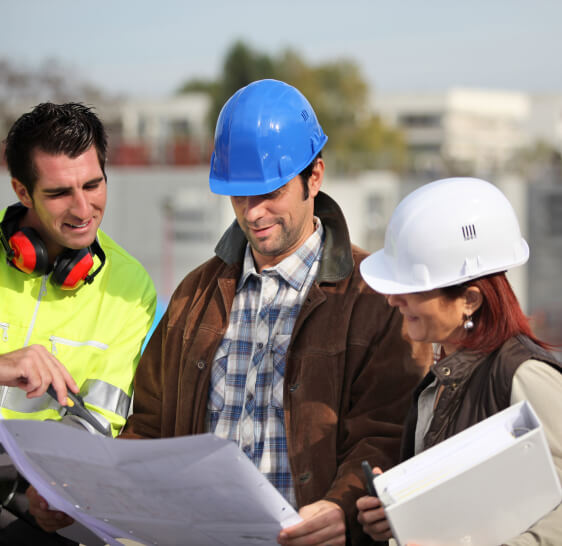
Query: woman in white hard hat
x=446 y=250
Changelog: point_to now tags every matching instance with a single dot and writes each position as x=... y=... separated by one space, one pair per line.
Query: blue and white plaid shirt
x=246 y=391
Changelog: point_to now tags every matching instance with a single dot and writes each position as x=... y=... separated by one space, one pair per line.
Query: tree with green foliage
x=358 y=139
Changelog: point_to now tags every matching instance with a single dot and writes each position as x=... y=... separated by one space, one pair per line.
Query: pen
x=368 y=471
x=75 y=406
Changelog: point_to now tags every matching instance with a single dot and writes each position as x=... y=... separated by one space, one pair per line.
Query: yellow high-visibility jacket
x=96 y=331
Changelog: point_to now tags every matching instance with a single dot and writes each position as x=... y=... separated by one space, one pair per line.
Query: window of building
x=410 y=121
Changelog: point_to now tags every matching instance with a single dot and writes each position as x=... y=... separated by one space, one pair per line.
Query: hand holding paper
x=49 y=520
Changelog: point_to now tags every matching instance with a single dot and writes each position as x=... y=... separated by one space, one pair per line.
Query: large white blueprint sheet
x=198 y=490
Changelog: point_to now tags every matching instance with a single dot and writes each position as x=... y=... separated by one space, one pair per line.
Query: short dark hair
x=306 y=173
x=69 y=129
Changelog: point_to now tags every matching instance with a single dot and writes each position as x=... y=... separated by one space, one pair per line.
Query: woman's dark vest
x=475 y=387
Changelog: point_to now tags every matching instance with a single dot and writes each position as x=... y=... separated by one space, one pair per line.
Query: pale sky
x=148 y=48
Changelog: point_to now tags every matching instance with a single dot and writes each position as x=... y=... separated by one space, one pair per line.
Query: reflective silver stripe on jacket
x=42 y=292
x=93 y=391
x=15 y=399
x=106 y=396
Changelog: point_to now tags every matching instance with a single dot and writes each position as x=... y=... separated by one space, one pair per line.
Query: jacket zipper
x=42 y=292
x=54 y=340
x=4 y=327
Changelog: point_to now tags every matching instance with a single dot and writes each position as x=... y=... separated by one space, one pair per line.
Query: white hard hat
x=445 y=233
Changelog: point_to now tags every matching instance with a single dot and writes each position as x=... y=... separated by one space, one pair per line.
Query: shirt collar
x=295 y=268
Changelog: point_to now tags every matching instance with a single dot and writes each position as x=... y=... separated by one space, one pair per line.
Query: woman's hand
x=372 y=517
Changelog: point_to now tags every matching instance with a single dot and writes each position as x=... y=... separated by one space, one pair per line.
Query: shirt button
x=260 y=345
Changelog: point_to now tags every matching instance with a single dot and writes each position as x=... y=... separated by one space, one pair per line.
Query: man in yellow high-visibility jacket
x=67 y=291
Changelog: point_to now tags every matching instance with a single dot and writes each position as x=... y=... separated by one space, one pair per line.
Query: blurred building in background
x=477 y=132
x=161 y=210
x=474 y=132
x=171 y=131
x=545 y=120
x=464 y=131
x=142 y=133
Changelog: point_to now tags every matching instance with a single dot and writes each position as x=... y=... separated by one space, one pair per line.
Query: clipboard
x=481 y=487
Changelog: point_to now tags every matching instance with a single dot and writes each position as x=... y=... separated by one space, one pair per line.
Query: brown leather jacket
x=476 y=386
x=349 y=373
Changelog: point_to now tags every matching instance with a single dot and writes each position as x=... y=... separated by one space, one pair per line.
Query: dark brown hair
x=69 y=129
x=306 y=173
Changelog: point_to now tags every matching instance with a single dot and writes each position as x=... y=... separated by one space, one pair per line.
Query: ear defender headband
x=26 y=251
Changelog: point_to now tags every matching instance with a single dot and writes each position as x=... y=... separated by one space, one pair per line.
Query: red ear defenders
x=26 y=251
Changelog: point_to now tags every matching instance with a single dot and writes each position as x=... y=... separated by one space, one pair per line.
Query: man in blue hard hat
x=276 y=343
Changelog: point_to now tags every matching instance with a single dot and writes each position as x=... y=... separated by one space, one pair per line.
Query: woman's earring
x=468 y=324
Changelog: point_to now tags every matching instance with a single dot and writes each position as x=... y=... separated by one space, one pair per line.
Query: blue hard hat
x=266 y=134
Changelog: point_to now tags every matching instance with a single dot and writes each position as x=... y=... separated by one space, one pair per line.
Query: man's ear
x=473 y=300
x=316 y=178
x=22 y=193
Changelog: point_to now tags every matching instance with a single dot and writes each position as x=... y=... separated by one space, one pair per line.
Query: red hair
x=498 y=319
